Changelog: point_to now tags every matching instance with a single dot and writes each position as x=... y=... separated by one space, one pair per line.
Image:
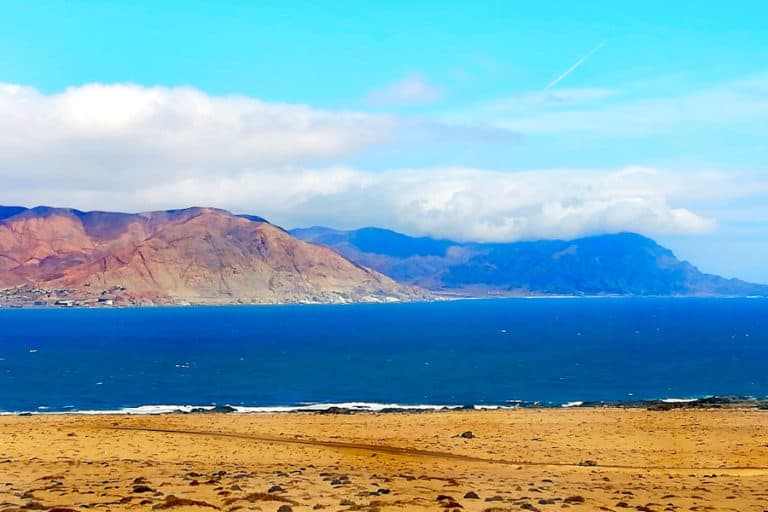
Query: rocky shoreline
x=713 y=402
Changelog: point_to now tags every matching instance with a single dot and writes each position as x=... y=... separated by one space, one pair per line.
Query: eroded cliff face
x=197 y=255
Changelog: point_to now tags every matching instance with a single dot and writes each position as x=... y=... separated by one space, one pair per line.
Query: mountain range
x=209 y=256
x=618 y=264
x=195 y=255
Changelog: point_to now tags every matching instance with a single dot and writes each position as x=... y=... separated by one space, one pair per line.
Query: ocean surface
x=475 y=352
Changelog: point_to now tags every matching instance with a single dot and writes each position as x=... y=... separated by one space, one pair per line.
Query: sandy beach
x=527 y=459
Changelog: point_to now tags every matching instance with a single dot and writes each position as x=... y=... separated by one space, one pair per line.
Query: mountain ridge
x=209 y=255
x=609 y=264
x=191 y=255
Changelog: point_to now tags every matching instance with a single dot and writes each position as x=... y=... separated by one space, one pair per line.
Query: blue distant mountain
x=10 y=211
x=620 y=264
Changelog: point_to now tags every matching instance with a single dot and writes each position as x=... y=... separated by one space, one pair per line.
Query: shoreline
x=350 y=408
x=436 y=297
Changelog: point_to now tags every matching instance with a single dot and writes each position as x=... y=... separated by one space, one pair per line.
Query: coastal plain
x=504 y=460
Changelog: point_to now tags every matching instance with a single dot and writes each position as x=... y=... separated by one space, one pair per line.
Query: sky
x=486 y=121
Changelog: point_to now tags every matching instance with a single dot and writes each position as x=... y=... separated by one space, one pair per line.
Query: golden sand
x=530 y=459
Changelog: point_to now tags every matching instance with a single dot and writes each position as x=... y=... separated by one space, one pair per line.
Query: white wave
x=355 y=406
x=310 y=407
x=678 y=400
x=144 y=409
x=577 y=403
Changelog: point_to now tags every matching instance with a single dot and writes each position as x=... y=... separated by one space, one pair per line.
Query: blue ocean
x=458 y=353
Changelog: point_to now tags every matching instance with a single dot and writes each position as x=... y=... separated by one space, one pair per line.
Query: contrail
x=574 y=67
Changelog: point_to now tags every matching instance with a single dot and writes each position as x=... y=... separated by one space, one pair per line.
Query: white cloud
x=471 y=204
x=136 y=134
x=458 y=203
x=133 y=148
x=411 y=90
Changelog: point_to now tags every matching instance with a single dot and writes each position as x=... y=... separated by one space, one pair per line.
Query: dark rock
x=275 y=489
x=471 y=495
x=285 y=508
x=142 y=488
x=172 y=501
x=467 y=435
x=336 y=410
x=574 y=499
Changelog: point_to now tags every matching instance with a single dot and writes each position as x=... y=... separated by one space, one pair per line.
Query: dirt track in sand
x=413 y=452
x=588 y=459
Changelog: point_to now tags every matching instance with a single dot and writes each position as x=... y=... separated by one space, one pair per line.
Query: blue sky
x=429 y=117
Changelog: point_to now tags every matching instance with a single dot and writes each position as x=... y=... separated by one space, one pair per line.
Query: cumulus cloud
x=411 y=90
x=132 y=133
x=458 y=203
x=134 y=148
x=492 y=206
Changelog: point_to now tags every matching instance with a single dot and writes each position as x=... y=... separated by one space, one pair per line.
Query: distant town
x=32 y=296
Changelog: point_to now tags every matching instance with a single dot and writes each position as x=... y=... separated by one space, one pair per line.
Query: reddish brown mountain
x=197 y=255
